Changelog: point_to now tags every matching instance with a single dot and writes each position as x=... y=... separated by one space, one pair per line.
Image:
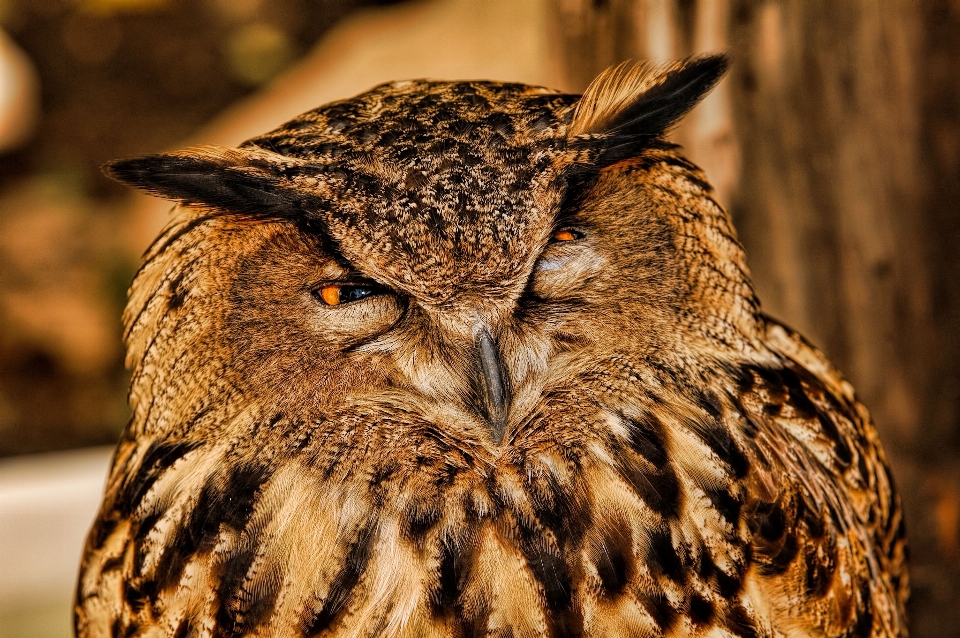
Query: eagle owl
x=456 y=359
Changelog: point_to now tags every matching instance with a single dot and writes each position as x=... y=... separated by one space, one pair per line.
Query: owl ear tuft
x=238 y=180
x=629 y=105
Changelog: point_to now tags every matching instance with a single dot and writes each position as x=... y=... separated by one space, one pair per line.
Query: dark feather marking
x=743 y=376
x=740 y=623
x=900 y=532
x=799 y=400
x=613 y=557
x=343 y=584
x=563 y=509
x=773 y=383
x=659 y=608
x=662 y=557
x=659 y=489
x=783 y=559
x=647 y=439
x=379 y=481
x=813 y=520
x=820 y=567
x=748 y=425
x=690 y=171
x=728 y=505
x=454 y=567
x=747 y=551
x=717 y=437
x=769 y=521
x=862 y=466
x=221 y=502
x=256 y=608
x=728 y=585
x=234 y=572
x=700 y=610
x=143 y=525
x=103 y=528
x=864 y=625
x=422 y=515
x=112 y=564
x=139 y=594
x=710 y=402
x=840 y=446
x=159 y=457
x=773 y=409
x=552 y=572
x=178 y=293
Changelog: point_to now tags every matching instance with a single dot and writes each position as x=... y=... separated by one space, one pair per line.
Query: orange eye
x=336 y=294
x=567 y=235
x=330 y=295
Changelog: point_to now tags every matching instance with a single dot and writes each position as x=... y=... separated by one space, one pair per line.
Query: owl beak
x=497 y=393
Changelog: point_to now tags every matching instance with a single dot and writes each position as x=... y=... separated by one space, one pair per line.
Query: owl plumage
x=456 y=359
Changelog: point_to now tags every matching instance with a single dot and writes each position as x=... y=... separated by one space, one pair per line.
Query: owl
x=459 y=359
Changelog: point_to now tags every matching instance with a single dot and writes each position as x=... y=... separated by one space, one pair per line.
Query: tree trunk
x=835 y=144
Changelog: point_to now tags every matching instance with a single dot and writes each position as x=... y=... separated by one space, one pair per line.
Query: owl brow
x=576 y=189
x=314 y=227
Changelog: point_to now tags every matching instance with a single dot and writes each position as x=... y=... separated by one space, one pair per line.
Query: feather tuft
x=630 y=105
x=248 y=180
x=611 y=92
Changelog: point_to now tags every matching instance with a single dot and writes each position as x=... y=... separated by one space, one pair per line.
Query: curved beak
x=496 y=388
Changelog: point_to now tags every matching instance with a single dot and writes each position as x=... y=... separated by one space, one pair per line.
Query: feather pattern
x=672 y=462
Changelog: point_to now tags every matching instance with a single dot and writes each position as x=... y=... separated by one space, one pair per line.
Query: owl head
x=451 y=240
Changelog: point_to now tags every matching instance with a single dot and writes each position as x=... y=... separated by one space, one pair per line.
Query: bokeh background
x=834 y=142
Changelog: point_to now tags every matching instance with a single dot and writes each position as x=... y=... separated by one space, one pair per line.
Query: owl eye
x=566 y=234
x=338 y=294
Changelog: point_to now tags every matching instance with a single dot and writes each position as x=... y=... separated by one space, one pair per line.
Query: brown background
x=835 y=142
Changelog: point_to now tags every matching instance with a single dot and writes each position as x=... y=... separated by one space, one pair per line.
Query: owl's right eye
x=339 y=294
x=566 y=234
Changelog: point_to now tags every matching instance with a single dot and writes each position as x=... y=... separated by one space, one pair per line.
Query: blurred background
x=834 y=142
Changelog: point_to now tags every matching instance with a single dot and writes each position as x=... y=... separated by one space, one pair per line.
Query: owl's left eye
x=338 y=294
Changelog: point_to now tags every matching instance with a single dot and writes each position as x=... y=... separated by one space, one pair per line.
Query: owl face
x=310 y=332
x=451 y=243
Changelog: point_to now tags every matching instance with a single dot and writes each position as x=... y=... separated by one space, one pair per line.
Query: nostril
x=495 y=386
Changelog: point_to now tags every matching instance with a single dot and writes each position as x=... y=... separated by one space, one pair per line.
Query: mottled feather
x=672 y=462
